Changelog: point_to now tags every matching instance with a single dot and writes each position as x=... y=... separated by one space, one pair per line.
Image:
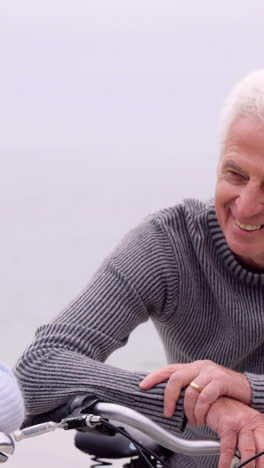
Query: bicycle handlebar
x=158 y=434
x=89 y=413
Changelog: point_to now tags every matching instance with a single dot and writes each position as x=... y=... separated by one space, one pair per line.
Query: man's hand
x=237 y=425
x=214 y=380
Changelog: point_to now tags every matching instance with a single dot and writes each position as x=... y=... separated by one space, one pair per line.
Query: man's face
x=239 y=196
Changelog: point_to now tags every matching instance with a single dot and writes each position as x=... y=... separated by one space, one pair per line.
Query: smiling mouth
x=248 y=227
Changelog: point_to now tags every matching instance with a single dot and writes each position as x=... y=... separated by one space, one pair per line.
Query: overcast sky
x=105 y=75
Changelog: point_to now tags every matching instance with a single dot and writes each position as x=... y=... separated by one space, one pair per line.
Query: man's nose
x=250 y=202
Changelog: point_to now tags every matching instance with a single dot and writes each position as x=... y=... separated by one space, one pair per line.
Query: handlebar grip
x=74 y=406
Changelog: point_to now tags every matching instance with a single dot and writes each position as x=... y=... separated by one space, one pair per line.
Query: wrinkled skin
x=216 y=381
x=237 y=425
x=239 y=194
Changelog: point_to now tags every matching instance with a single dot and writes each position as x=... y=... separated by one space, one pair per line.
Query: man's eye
x=234 y=174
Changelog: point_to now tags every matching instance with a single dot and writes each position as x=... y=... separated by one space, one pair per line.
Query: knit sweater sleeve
x=11 y=401
x=257 y=390
x=67 y=357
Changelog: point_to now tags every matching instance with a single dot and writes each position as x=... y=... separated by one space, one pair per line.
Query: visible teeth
x=248 y=227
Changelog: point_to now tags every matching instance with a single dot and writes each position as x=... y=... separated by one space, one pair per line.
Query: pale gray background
x=108 y=111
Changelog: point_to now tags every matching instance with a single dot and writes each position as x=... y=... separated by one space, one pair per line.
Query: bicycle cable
x=143 y=455
x=141 y=449
x=137 y=444
x=251 y=459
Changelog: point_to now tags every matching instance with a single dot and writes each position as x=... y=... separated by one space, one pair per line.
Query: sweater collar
x=227 y=256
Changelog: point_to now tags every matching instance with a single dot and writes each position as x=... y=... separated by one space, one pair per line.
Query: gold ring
x=196 y=387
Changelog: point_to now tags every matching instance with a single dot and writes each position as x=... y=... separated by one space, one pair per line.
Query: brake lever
x=7 y=447
x=3 y=457
x=71 y=422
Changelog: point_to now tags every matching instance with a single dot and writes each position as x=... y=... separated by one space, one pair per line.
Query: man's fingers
x=178 y=376
x=259 y=442
x=197 y=403
x=157 y=377
x=210 y=393
x=190 y=400
x=176 y=382
x=247 y=447
x=228 y=444
x=164 y=373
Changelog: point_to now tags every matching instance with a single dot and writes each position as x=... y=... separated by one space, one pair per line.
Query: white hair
x=246 y=98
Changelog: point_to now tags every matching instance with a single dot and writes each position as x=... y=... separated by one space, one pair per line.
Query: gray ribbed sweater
x=176 y=269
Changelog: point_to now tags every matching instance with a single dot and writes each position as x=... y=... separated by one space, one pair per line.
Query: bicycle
x=140 y=439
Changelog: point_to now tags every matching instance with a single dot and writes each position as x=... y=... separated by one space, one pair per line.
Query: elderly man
x=197 y=270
